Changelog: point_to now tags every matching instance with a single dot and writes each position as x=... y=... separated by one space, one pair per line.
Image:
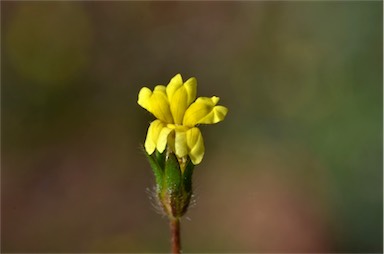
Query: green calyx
x=173 y=182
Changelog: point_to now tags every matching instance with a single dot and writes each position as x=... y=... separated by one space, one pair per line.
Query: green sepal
x=157 y=170
x=172 y=175
x=187 y=176
x=160 y=157
x=187 y=187
x=174 y=182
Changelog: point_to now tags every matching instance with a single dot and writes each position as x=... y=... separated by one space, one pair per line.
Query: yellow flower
x=178 y=114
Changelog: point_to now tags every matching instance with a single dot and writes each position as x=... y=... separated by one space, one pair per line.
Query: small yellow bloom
x=178 y=114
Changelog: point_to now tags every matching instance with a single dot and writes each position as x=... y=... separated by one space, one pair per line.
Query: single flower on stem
x=174 y=144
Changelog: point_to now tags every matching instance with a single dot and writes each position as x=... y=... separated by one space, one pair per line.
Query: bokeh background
x=295 y=167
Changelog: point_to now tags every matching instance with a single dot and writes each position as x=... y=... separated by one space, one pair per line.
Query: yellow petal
x=204 y=111
x=163 y=139
x=175 y=83
x=195 y=145
x=181 y=148
x=153 y=135
x=144 y=98
x=180 y=96
x=178 y=104
x=191 y=87
x=156 y=102
x=159 y=105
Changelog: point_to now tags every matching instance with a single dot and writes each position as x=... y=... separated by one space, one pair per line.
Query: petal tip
x=149 y=147
x=215 y=99
x=177 y=78
x=144 y=96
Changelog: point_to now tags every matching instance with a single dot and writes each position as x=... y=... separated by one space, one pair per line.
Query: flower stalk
x=174 y=144
x=175 y=236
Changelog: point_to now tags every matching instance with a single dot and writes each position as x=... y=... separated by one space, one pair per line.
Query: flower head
x=178 y=114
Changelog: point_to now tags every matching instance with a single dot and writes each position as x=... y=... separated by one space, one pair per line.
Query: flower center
x=177 y=127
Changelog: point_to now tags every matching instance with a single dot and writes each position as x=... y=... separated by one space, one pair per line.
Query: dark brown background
x=295 y=167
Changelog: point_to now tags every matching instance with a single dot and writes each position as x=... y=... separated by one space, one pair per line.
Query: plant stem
x=175 y=235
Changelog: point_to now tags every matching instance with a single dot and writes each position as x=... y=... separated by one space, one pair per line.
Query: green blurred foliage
x=295 y=167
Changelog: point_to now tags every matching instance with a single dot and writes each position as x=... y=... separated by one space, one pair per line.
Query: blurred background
x=297 y=165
